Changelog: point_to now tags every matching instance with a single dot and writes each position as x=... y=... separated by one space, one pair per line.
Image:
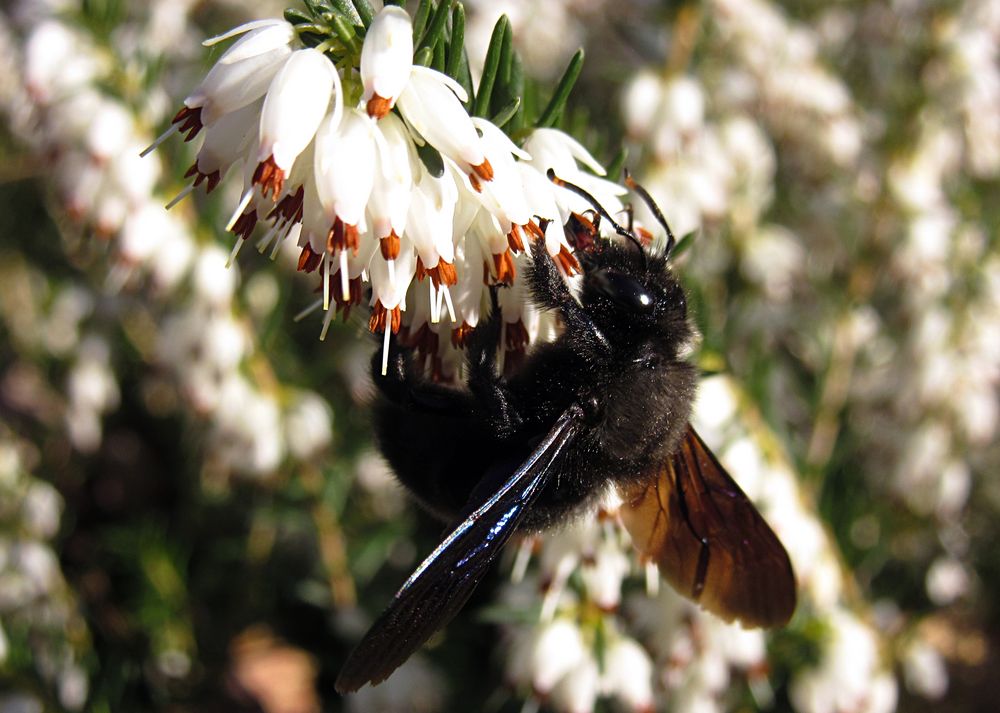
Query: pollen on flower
x=269 y=177
x=188 y=120
x=389 y=246
x=378 y=107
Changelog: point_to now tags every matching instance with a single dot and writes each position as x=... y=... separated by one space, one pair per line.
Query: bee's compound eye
x=623 y=289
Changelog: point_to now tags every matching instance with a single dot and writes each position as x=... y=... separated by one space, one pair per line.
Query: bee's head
x=632 y=295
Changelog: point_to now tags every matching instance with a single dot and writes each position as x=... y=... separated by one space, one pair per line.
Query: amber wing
x=708 y=539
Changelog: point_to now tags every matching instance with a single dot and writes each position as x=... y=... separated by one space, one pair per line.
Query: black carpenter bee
x=607 y=402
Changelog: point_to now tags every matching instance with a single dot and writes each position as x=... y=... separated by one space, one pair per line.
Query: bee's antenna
x=648 y=200
x=598 y=207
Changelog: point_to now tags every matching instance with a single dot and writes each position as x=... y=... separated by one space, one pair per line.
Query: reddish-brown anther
x=514 y=239
x=308 y=259
x=504 y=265
x=567 y=262
x=188 y=120
x=269 y=177
x=289 y=208
x=245 y=224
x=213 y=178
x=378 y=106
x=484 y=170
x=342 y=236
x=382 y=317
x=460 y=334
x=389 y=245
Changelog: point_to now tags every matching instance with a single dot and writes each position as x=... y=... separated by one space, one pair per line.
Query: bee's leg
x=551 y=292
x=490 y=390
x=404 y=384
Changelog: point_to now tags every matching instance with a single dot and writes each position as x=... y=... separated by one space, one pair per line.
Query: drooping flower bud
x=386 y=60
x=296 y=102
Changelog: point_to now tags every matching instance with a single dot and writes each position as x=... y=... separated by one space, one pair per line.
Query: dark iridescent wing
x=443 y=582
x=709 y=541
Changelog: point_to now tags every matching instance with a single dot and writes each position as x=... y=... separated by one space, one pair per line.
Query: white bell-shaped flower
x=431 y=106
x=345 y=170
x=429 y=225
x=241 y=75
x=296 y=102
x=390 y=197
x=386 y=60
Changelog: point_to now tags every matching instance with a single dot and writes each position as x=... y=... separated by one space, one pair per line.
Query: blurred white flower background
x=192 y=516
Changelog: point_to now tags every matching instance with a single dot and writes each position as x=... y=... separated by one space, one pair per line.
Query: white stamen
x=652 y=579
x=550 y=603
x=521 y=560
x=266 y=240
x=174 y=128
x=184 y=193
x=244 y=202
x=286 y=228
x=448 y=302
x=326 y=280
x=391 y=264
x=326 y=325
x=235 y=251
x=117 y=277
x=435 y=307
x=345 y=288
x=385 y=343
x=308 y=311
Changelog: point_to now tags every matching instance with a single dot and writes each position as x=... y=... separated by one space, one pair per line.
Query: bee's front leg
x=551 y=292
x=489 y=389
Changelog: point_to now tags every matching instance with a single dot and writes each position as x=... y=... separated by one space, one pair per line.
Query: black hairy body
x=607 y=402
x=453 y=447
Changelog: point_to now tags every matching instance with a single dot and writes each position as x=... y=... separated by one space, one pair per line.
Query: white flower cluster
x=104 y=185
x=329 y=164
x=37 y=608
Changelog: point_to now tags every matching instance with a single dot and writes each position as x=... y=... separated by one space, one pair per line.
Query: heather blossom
x=375 y=166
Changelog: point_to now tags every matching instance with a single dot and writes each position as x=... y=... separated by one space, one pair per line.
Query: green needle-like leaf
x=683 y=244
x=365 y=11
x=397 y=3
x=438 y=62
x=346 y=10
x=482 y=103
x=297 y=17
x=507 y=113
x=420 y=21
x=436 y=29
x=346 y=34
x=555 y=107
x=424 y=57
x=456 y=48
